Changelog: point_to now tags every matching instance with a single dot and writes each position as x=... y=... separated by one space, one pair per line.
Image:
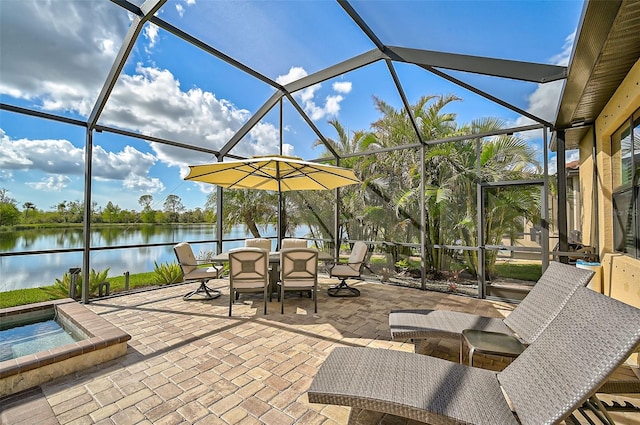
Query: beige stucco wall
x=621 y=278
x=621 y=274
x=587 y=218
x=624 y=102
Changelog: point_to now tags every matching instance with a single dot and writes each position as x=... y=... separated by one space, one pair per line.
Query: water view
x=32 y=271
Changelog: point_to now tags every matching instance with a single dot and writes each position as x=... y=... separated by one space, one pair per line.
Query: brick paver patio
x=189 y=363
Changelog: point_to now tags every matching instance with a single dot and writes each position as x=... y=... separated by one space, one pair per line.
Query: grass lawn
x=48 y=293
x=529 y=272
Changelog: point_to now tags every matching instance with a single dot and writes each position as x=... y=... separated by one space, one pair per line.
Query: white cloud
x=150 y=32
x=68 y=49
x=49 y=156
x=6 y=176
x=152 y=102
x=563 y=57
x=180 y=9
x=544 y=101
x=307 y=96
x=38 y=37
x=87 y=37
x=342 y=87
x=295 y=73
x=143 y=185
x=51 y=184
x=60 y=158
x=332 y=105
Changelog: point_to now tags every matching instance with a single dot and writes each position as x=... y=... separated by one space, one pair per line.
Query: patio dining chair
x=261 y=243
x=192 y=270
x=299 y=272
x=534 y=313
x=248 y=272
x=293 y=243
x=352 y=269
x=575 y=354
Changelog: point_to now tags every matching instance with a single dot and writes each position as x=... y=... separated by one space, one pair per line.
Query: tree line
x=69 y=212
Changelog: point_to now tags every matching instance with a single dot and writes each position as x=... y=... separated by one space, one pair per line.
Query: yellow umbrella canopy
x=277 y=173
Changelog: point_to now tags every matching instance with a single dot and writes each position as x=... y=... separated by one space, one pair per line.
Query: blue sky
x=56 y=55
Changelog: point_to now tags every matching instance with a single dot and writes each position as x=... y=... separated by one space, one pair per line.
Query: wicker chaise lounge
x=526 y=321
x=572 y=357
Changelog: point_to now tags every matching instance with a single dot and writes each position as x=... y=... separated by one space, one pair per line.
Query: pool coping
x=101 y=334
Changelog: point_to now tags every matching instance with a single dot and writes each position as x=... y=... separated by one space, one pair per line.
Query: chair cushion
x=293 y=243
x=185 y=256
x=258 y=243
x=202 y=273
x=346 y=270
x=358 y=253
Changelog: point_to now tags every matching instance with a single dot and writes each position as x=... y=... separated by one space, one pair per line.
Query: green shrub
x=95 y=279
x=167 y=273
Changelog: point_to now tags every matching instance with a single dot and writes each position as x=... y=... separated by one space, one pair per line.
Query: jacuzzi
x=98 y=342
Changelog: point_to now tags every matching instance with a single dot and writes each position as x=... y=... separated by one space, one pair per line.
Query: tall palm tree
x=401 y=170
x=251 y=208
x=28 y=206
x=502 y=158
x=345 y=144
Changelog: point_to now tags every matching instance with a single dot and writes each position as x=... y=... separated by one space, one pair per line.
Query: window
x=626 y=186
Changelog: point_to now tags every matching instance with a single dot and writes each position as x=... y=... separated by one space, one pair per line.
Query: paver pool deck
x=188 y=362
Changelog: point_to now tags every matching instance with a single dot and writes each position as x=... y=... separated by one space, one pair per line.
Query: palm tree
x=502 y=158
x=28 y=206
x=399 y=172
x=246 y=207
x=350 y=201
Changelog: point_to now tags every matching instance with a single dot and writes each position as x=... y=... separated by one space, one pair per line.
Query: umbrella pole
x=280 y=223
x=278 y=176
x=279 y=206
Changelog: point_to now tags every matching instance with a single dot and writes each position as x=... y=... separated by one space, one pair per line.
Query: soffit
x=607 y=47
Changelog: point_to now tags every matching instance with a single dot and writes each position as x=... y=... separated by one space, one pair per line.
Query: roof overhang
x=606 y=48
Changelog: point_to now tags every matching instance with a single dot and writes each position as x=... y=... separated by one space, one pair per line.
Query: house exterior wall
x=587 y=183
x=621 y=273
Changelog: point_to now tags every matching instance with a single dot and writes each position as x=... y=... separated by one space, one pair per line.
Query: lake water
x=32 y=271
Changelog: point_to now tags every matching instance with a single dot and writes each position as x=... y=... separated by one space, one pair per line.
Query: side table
x=486 y=342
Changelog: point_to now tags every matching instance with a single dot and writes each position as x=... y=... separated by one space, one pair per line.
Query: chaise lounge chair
x=570 y=359
x=526 y=321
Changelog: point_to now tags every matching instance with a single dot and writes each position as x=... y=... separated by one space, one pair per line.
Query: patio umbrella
x=276 y=173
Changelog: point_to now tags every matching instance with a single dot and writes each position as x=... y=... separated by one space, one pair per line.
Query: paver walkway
x=189 y=363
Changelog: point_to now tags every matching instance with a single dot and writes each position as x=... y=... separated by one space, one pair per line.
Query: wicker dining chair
x=298 y=272
x=248 y=272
